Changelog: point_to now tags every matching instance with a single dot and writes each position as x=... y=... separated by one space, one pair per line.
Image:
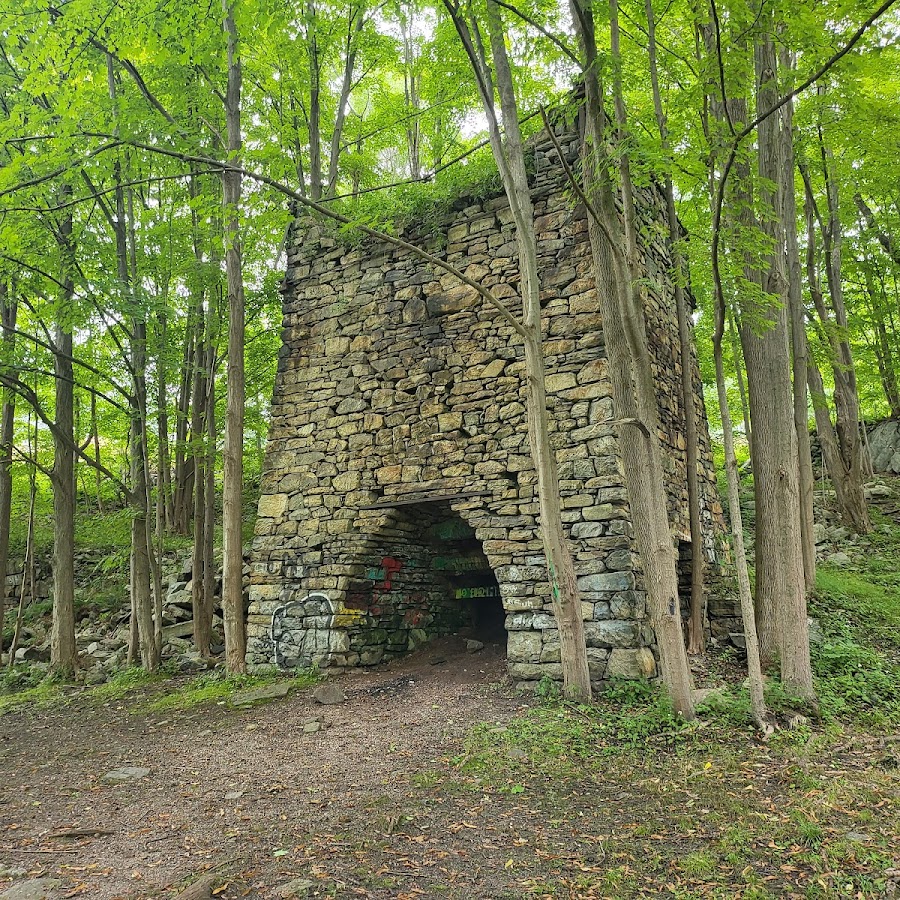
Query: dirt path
x=389 y=800
x=247 y=791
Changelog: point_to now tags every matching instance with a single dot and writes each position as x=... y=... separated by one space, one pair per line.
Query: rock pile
x=102 y=639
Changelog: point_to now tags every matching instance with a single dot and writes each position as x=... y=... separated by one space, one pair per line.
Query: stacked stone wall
x=398 y=385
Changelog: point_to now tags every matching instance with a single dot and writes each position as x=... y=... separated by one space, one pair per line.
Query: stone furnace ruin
x=398 y=499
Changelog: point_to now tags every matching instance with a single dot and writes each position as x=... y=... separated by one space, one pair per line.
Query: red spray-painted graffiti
x=366 y=596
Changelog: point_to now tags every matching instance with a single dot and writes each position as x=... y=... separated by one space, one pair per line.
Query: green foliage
x=27 y=687
x=124 y=683
x=424 y=207
x=858 y=664
x=218 y=687
x=558 y=738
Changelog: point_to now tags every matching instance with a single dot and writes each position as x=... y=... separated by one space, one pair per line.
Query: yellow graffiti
x=344 y=617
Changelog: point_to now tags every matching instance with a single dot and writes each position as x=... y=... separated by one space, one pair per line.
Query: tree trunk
x=806 y=482
x=26 y=587
x=201 y=604
x=233 y=557
x=510 y=158
x=780 y=587
x=314 y=122
x=62 y=639
x=846 y=394
x=748 y=614
x=741 y=381
x=8 y=311
x=846 y=474
x=882 y=348
x=184 y=476
x=697 y=621
x=355 y=22
x=209 y=514
x=164 y=479
x=631 y=377
x=140 y=574
x=95 y=433
x=140 y=557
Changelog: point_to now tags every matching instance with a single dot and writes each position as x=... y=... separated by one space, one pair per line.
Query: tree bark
x=800 y=354
x=200 y=602
x=233 y=557
x=62 y=639
x=149 y=644
x=510 y=158
x=8 y=312
x=164 y=482
x=781 y=598
x=184 y=462
x=882 y=346
x=843 y=462
x=26 y=587
x=846 y=396
x=314 y=120
x=748 y=613
x=632 y=383
x=697 y=621
x=63 y=659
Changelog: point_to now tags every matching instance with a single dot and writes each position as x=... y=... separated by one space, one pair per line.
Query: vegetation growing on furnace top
x=425 y=206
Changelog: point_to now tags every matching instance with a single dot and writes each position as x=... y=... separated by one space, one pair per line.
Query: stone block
x=559 y=382
x=611 y=633
x=535 y=671
x=389 y=475
x=272 y=506
x=605 y=581
x=631 y=664
x=524 y=646
x=347 y=481
x=450 y=421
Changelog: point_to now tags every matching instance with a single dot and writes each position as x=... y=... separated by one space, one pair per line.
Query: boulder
x=329 y=694
x=884 y=445
x=32 y=889
x=33 y=654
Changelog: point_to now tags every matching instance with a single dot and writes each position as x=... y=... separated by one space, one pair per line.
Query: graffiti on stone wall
x=366 y=596
x=281 y=635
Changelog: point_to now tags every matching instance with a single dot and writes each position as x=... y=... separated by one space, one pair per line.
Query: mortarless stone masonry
x=398 y=498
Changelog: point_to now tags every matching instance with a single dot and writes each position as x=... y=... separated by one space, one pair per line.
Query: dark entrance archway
x=422 y=575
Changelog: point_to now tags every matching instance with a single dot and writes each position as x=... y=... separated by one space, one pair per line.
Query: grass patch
x=558 y=739
x=217 y=687
x=857 y=665
x=124 y=683
x=34 y=695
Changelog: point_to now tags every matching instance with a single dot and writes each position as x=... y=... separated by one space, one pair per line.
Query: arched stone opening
x=420 y=574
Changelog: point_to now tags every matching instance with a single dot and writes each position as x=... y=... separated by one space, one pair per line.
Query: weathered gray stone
x=884 y=446
x=631 y=664
x=32 y=889
x=261 y=694
x=329 y=693
x=605 y=582
x=611 y=633
x=126 y=773
x=524 y=646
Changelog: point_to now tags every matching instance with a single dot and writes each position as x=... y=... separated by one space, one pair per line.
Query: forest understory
x=433 y=777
